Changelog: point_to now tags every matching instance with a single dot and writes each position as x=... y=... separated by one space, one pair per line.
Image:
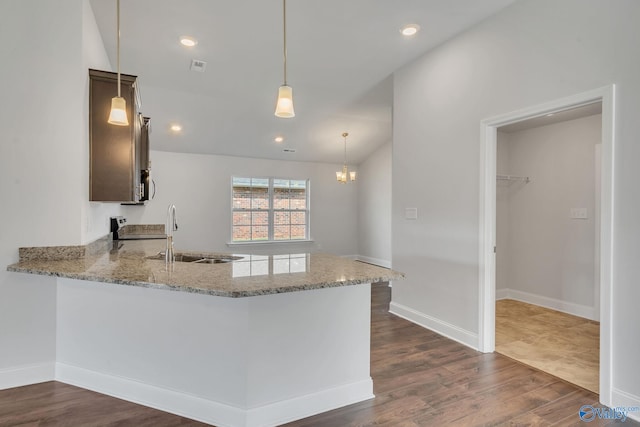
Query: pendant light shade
x=118 y=114
x=284 y=105
x=344 y=175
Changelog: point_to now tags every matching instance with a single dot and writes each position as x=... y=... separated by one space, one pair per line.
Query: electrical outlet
x=411 y=213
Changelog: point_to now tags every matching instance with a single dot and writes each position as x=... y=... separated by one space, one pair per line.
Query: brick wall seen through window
x=269 y=209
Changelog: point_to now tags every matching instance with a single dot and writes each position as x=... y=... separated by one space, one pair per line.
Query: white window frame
x=271 y=212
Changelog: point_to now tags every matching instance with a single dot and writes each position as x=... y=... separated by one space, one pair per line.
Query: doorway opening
x=547 y=254
x=487 y=236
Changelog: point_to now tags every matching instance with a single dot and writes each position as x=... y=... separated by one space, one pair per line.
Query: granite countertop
x=137 y=263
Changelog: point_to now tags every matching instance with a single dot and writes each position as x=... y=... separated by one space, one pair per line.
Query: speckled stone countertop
x=136 y=263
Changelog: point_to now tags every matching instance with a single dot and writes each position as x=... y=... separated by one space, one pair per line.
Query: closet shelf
x=524 y=179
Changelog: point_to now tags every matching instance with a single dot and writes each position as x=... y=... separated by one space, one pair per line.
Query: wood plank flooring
x=420 y=379
x=57 y=404
x=558 y=343
x=423 y=379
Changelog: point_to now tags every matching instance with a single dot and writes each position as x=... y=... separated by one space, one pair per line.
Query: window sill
x=267 y=243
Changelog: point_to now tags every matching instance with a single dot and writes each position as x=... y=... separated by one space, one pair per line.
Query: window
x=269 y=209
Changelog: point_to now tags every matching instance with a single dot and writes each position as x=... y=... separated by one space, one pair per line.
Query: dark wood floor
x=58 y=404
x=420 y=379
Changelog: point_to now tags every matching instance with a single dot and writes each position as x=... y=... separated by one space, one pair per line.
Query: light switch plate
x=411 y=213
x=578 y=213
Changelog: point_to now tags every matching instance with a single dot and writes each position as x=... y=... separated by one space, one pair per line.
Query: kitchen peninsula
x=257 y=341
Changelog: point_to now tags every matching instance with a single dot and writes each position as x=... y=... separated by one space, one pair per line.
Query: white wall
x=43 y=165
x=532 y=52
x=374 y=207
x=200 y=187
x=546 y=253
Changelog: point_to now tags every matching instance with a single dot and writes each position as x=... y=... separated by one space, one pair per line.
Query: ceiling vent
x=198 y=65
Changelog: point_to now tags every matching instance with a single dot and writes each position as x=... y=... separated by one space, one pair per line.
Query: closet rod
x=525 y=179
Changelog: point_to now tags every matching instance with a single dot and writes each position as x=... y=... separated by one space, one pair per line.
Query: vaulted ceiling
x=341 y=56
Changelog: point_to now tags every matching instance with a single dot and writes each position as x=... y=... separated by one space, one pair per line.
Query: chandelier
x=342 y=175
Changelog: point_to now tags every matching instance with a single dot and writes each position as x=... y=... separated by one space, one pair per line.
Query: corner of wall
x=438 y=326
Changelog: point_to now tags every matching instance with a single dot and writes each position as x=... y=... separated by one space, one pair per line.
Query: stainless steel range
x=123 y=231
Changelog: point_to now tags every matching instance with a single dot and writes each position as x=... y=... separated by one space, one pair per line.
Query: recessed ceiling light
x=175 y=128
x=278 y=139
x=410 y=30
x=188 y=41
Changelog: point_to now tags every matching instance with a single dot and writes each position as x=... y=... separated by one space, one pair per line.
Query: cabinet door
x=113 y=176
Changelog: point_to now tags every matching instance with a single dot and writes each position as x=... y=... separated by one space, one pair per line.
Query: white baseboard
x=623 y=399
x=552 y=303
x=26 y=375
x=209 y=411
x=502 y=294
x=279 y=413
x=375 y=261
x=163 y=399
x=439 y=326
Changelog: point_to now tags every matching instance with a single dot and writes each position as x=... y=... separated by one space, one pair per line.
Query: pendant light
x=284 y=105
x=342 y=175
x=118 y=114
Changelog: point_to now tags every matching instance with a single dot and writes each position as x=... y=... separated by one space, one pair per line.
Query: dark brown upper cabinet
x=118 y=155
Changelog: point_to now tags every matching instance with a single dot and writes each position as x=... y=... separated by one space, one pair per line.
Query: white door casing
x=487 y=219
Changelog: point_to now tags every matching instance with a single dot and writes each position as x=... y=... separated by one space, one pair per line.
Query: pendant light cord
x=284 y=31
x=345 y=135
x=118 y=44
x=345 y=150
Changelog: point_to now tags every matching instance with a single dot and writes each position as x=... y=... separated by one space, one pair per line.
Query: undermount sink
x=200 y=259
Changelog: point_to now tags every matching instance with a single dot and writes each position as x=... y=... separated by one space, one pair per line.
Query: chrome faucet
x=170 y=227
